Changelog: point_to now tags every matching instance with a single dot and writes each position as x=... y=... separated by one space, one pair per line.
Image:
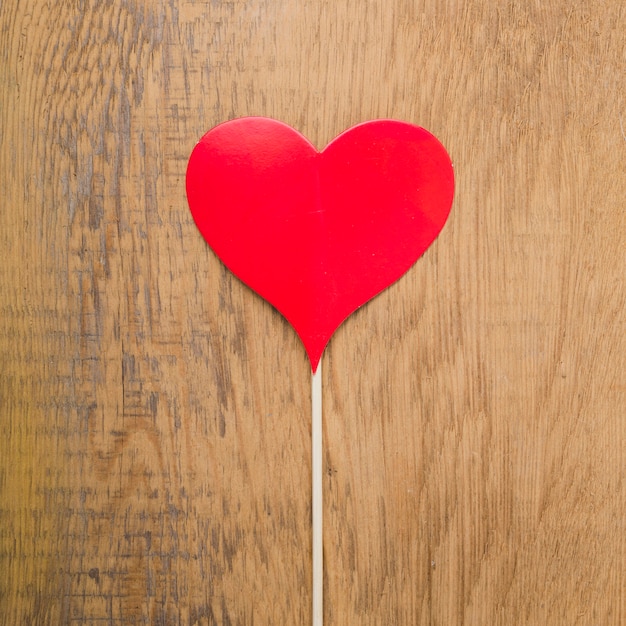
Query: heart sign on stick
x=319 y=233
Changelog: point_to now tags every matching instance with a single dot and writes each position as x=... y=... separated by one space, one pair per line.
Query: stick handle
x=317 y=502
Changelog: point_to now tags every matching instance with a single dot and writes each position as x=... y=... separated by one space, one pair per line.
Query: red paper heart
x=318 y=234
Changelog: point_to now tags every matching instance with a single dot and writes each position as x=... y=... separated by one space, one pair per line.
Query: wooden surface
x=155 y=416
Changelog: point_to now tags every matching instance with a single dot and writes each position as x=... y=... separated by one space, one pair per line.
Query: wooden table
x=155 y=413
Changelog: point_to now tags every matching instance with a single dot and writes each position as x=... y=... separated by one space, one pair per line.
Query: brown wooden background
x=154 y=425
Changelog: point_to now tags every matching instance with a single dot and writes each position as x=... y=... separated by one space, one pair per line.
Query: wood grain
x=154 y=425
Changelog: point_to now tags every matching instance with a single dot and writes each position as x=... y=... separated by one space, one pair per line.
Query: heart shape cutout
x=319 y=233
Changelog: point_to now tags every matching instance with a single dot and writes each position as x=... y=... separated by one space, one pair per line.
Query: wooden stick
x=317 y=503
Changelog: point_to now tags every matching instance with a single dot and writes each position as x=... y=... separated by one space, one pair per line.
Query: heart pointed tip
x=315 y=361
x=314 y=346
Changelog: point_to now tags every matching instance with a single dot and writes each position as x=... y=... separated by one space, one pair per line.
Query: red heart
x=318 y=234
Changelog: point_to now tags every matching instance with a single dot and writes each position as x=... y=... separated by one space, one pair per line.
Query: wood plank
x=154 y=430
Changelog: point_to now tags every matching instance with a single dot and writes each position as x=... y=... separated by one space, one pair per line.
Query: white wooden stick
x=316 y=465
